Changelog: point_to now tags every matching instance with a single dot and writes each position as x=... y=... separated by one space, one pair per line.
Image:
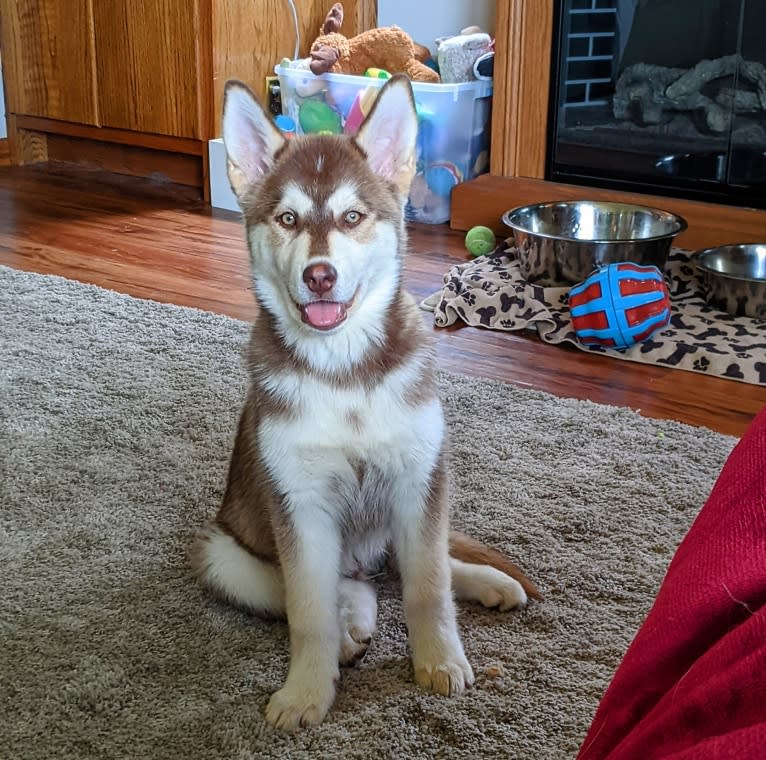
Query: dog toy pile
x=453 y=141
x=460 y=58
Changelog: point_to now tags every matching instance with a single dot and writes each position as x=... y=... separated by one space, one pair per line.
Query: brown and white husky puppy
x=340 y=457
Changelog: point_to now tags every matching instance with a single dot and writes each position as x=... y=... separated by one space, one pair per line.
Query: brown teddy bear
x=388 y=48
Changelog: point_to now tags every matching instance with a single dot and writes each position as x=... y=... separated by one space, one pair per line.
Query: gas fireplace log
x=705 y=71
x=641 y=87
x=755 y=72
x=648 y=94
x=741 y=101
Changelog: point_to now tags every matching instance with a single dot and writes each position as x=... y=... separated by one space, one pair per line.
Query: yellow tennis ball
x=480 y=240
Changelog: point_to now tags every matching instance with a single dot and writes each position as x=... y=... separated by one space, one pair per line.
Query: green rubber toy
x=316 y=117
x=480 y=241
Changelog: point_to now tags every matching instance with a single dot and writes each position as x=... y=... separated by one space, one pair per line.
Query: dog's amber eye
x=287 y=219
x=352 y=218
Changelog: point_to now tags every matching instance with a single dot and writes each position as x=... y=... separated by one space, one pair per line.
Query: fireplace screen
x=664 y=96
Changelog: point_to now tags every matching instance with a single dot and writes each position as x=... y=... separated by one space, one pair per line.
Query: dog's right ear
x=251 y=138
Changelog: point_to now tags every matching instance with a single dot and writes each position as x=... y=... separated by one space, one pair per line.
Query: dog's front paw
x=450 y=677
x=291 y=708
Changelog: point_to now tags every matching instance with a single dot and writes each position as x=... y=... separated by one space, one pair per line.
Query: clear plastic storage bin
x=453 y=139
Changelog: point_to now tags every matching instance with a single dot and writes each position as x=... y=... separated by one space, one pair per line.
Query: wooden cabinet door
x=250 y=37
x=147 y=60
x=49 y=59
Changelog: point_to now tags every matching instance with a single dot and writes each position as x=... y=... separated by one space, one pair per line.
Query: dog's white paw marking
x=503 y=593
x=450 y=677
x=487 y=586
x=291 y=708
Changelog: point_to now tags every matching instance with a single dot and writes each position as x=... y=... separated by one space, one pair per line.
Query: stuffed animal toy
x=388 y=48
x=458 y=55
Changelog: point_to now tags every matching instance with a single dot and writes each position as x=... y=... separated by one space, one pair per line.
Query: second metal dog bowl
x=562 y=242
x=735 y=278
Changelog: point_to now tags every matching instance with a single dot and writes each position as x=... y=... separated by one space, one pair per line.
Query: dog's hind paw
x=354 y=645
x=503 y=593
x=290 y=709
x=357 y=612
x=487 y=586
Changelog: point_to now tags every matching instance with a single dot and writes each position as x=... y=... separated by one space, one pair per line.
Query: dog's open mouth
x=324 y=315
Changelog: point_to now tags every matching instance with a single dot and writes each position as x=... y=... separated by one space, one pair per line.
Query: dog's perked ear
x=250 y=136
x=389 y=134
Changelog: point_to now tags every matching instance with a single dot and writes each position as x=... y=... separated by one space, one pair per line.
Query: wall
x=424 y=22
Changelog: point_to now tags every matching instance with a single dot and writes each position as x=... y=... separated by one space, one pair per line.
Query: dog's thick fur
x=339 y=461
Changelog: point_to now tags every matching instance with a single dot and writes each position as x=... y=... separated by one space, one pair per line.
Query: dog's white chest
x=378 y=425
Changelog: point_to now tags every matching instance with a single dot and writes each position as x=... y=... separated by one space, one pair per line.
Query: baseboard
x=162 y=158
x=5 y=152
x=160 y=165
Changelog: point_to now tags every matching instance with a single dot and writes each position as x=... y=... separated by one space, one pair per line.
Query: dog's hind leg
x=357 y=611
x=236 y=575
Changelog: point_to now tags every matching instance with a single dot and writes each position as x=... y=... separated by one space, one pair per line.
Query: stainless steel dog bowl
x=562 y=242
x=734 y=278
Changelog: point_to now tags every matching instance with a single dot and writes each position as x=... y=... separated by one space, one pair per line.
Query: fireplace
x=660 y=96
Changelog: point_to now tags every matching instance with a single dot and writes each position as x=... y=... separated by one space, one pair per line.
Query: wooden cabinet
x=148 y=65
x=137 y=85
x=48 y=59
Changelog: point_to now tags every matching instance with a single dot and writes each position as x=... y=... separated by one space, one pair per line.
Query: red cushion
x=693 y=682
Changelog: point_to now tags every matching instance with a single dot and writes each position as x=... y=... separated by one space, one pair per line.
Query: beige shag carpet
x=116 y=421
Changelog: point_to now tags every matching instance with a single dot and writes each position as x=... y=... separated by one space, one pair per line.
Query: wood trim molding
x=5 y=151
x=26 y=146
x=503 y=133
x=186 y=145
x=523 y=37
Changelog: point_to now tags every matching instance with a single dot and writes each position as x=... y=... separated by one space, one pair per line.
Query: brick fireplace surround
x=524 y=33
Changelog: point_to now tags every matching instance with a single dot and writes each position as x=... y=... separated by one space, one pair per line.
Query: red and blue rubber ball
x=619 y=305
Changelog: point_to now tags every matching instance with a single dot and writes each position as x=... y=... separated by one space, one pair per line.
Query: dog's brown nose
x=320 y=278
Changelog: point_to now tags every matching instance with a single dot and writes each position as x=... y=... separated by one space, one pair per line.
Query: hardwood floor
x=153 y=241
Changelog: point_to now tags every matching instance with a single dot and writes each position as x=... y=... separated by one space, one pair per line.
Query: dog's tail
x=473 y=552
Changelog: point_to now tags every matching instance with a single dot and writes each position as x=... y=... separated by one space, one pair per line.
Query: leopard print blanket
x=490 y=292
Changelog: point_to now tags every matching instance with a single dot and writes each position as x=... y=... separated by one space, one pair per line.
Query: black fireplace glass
x=661 y=96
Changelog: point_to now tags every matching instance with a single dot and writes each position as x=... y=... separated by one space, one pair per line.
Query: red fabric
x=693 y=682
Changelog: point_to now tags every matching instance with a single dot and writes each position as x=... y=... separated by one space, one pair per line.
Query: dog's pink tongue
x=324 y=314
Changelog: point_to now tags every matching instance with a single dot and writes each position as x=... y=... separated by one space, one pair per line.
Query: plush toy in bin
x=619 y=305
x=388 y=47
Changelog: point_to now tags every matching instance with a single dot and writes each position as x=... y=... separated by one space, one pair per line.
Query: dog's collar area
x=323 y=315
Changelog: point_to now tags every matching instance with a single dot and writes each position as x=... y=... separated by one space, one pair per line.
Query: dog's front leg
x=310 y=558
x=421 y=544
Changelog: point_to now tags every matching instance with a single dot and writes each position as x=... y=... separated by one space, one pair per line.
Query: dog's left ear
x=389 y=134
x=250 y=136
